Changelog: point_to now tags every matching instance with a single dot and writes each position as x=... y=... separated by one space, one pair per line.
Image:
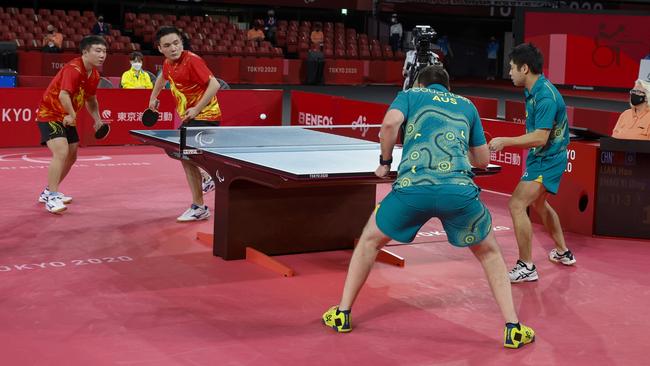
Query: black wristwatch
x=385 y=162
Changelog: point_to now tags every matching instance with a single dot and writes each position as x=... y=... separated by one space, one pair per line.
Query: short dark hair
x=136 y=55
x=167 y=29
x=89 y=41
x=527 y=54
x=434 y=74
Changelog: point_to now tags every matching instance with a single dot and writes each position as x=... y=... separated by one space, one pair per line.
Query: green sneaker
x=337 y=320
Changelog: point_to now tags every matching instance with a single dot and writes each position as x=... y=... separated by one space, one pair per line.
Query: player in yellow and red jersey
x=72 y=87
x=194 y=87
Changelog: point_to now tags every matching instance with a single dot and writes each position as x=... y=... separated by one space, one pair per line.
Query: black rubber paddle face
x=102 y=132
x=149 y=117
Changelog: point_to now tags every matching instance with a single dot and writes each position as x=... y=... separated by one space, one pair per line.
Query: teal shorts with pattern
x=547 y=170
x=464 y=217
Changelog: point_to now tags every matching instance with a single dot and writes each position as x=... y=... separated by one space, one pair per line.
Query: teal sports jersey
x=545 y=109
x=440 y=129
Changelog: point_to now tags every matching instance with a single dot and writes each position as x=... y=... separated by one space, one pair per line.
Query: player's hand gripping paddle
x=102 y=131
x=150 y=116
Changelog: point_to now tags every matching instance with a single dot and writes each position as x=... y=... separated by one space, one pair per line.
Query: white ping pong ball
x=263 y=116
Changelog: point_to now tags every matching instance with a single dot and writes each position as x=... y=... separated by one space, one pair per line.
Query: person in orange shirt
x=317 y=35
x=72 y=87
x=256 y=33
x=53 y=40
x=634 y=123
x=194 y=88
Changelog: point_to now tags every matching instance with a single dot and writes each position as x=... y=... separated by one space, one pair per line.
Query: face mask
x=137 y=66
x=637 y=99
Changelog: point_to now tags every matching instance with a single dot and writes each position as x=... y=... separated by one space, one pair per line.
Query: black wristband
x=385 y=162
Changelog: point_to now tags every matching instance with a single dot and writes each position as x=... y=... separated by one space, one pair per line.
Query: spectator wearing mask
x=100 y=28
x=395 y=33
x=135 y=77
x=53 y=40
x=634 y=123
x=270 y=26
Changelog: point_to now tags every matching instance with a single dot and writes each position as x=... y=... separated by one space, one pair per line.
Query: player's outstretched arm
x=153 y=99
x=479 y=156
x=66 y=103
x=536 y=138
x=93 y=108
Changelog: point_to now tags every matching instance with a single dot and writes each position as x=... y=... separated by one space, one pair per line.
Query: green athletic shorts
x=464 y=217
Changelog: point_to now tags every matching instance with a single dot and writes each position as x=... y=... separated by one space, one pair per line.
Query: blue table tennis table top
x=296 y=151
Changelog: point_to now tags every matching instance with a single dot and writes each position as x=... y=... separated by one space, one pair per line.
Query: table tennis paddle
x=150 y=117
x=103 y=131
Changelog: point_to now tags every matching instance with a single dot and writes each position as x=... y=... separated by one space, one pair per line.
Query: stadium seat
x=276 y=52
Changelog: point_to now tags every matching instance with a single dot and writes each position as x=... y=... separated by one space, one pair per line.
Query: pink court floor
x=116 y=281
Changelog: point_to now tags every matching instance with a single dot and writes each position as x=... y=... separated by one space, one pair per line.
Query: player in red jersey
x=72 y=87
x=194 y=88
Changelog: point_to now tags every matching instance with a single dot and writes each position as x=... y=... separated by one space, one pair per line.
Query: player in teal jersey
x=547 y=137
x=443 y=140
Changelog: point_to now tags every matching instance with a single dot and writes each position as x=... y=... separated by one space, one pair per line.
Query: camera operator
x=420 y=57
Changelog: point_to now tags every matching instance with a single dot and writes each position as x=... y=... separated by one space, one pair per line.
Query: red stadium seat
x=364 y=53
x=117 y=47
x=375 y=52
x=264 y=52
x=387 y=52
x=236 y=51
x=207 y=49
x=9 y=36
x=276 y=52
x=292 y=44
x=221 y=50
x=339 y=53
x=281 y=38
x=74 y=13
x=250 y=51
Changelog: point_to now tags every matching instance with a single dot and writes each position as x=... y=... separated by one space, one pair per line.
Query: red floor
x=116 y=281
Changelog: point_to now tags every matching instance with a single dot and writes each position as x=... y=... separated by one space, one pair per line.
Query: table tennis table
x=282 y=190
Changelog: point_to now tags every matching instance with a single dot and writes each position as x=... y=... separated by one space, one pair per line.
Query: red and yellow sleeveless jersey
x=189 y=77
x=74 y=79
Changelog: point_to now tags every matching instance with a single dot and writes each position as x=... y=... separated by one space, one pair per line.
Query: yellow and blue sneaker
x=337 y=319
x=517 y=335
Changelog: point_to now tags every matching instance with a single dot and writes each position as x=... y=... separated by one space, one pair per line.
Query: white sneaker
x=54 y=203
x=521 y=273
x=46 y=192
x=207 y=184
x=565 y=258
x=194 y=213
